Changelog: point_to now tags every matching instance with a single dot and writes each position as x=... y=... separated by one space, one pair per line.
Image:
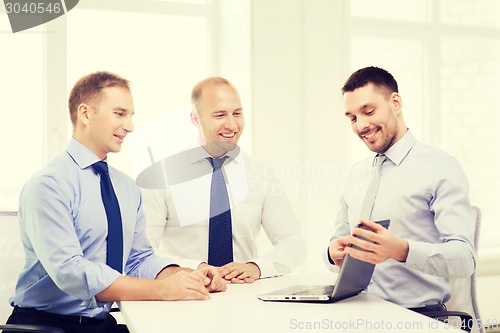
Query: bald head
x=197 y=92
x=218 y=114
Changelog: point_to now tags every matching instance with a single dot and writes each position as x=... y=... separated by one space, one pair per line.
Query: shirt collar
x=400 y=149
x=198 y=153
x=82 y=156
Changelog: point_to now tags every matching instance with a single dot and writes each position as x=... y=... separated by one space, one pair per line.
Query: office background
x=288 y=58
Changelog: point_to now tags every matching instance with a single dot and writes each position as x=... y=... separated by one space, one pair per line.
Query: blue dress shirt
x=425 y=194
x=63 y=230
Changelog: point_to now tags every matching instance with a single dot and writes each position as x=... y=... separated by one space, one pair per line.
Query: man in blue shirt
x=66 y=282
x=422 y=190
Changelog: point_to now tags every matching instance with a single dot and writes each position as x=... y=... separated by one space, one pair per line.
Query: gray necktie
x=371 y=192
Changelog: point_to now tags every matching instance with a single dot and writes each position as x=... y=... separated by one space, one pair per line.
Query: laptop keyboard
x=317 y=290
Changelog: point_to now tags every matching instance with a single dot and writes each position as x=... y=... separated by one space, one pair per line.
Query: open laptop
x=354 y=277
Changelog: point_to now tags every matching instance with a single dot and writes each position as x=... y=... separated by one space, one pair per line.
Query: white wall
x=297 y=67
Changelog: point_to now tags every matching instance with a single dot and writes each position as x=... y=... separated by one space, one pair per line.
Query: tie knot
x=100 y=167
x=378 y=160
x=217 y=162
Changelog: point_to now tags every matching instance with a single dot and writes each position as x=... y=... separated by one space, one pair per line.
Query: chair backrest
x=11 y=260
x=463 y=290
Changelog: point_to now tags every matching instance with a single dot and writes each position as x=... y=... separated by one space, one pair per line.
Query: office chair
x=30 y=328
x=463 y=301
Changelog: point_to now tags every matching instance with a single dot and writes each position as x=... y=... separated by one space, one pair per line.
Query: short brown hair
x=89 y=88
x=375 y=75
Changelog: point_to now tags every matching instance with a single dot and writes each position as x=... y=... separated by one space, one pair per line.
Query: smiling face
x=103 y=127
x=375 y=116
x=219 y=117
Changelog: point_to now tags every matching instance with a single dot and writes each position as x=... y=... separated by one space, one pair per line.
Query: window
x=470 y=73
x=21 y=105
x=407 y=11
x=162 y=47
x=446 y=57
x=480 y=13
x=161 y=63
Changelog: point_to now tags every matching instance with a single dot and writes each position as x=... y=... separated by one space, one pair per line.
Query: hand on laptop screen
x=384 y=223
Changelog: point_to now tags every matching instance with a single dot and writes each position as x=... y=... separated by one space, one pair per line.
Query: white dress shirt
x=176 y=193
x=424 y=192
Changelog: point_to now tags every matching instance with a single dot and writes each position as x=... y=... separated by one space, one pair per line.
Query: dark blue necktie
x=220 y=239
x=114 y=244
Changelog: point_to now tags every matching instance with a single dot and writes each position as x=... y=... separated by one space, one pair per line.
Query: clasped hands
x=184 y=283
x=235 y=272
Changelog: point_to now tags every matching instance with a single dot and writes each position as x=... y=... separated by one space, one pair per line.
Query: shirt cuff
x=330 y=265
x=329 y=258
x=190 y=263
x=153 y=266
x=267 y=268
x=97 y=283
x=418 y=252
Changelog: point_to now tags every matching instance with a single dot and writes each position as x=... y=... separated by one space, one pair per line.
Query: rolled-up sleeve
x=142 y=262
x=50 y=233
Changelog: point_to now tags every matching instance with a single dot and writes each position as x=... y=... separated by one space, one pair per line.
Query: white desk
x=239 y=310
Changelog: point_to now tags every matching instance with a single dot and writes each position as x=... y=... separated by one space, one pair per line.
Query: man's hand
x=171 y=284
x=236 y=272
x=336 y=250
x=171 y=270
x=385 y=244
x=217 y=282
x=184 y=285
